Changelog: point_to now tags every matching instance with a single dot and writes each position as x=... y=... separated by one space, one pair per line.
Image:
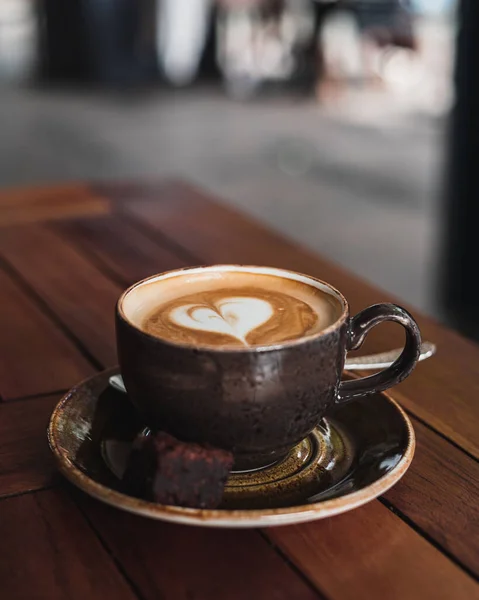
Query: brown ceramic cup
x=257 y=402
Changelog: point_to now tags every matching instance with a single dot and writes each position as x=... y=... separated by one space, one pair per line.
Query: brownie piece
x=162 y=469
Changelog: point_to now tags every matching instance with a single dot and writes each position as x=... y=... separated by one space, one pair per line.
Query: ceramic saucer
x=353 y=456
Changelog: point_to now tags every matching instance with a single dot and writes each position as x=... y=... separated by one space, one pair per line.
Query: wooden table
x=65 y=255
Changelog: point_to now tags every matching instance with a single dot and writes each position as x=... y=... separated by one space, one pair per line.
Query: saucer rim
x=265 y=517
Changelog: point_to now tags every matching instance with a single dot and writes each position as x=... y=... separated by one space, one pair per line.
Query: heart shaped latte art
x=236 y=317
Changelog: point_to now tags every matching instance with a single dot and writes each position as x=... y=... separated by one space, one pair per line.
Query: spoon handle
x=385 y=359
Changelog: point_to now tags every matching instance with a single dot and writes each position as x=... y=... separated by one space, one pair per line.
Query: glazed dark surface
x=359 y=328
x=256 y=404
x=361 y=442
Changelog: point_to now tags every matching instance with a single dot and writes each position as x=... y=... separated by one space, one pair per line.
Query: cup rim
x=298 y=276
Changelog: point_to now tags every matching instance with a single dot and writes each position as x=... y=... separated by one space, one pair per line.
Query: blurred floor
x=363 y=191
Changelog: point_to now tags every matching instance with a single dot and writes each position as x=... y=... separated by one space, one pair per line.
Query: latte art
x=236 y=317
x=231 y=306
x=239 y=317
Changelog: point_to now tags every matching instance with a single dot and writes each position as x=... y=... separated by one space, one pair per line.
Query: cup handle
x=359 y=327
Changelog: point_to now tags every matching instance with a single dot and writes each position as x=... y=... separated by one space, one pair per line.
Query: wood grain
x=26 y=462
x=36 y=357
x=174 y=562
x=371 y=553
x=49 y=551
x=440 y=494
x=49 y=203
x=120 y=248
x=79 y=294
x=217 y=234
x=442 y=391
x=106 y=238
x=33 y=196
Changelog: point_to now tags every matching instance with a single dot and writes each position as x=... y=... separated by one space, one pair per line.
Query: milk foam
x=235 y=317
x=231 y=306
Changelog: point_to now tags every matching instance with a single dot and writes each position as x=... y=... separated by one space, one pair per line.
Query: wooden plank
x=442 y=391
x=371 y=553
x=217 y=234
x=26 y=462
x=175 y=562
x=38 y=214
x=40 y=204
x=79 y=294
x=120 y=248
x=440 y=494
x=49 y=551
x=36 y=356
x=34 y=196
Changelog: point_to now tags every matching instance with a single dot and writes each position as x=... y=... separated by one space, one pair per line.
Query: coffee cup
x=246 y=358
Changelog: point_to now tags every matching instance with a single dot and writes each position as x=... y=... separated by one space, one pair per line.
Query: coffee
x=247 y=359
x=238 y=309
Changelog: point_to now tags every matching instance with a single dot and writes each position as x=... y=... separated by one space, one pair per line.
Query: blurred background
x=338 y=123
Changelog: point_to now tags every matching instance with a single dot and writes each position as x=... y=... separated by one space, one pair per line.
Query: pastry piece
x=162 y=469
